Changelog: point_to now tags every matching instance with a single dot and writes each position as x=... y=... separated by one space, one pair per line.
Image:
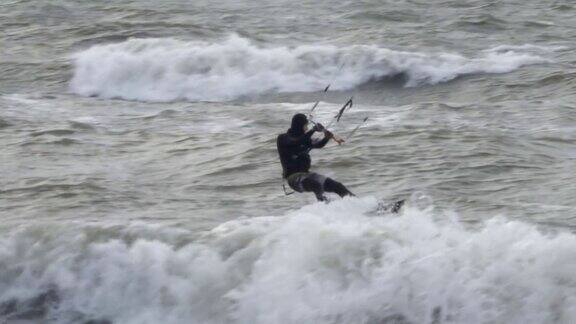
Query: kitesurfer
x=294 y=147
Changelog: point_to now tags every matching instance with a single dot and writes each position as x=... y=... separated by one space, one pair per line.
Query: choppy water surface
x=140 y=181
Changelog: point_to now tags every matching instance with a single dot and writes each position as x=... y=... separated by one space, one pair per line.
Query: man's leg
x=308 y=182
x=314 y=183
x=320 y=184
x=331 y=185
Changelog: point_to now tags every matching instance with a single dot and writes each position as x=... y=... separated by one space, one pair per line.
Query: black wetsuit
x=294 y=151
x=294 y=147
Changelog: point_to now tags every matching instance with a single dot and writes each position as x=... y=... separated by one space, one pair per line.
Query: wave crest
x=169 y=69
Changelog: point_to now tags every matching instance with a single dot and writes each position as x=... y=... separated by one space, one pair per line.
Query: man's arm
x=327 y=137
x=321 y=143
x=290 y=141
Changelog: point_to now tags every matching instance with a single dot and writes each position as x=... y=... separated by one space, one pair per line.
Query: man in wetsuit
x=294 y=147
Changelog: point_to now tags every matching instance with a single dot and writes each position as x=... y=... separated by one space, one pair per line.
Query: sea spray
x=320 y=264
x=169 y=69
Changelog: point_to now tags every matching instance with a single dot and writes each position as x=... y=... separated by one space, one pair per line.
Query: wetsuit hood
x=297 y=126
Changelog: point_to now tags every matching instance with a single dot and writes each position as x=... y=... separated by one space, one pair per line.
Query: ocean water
x=140 y=183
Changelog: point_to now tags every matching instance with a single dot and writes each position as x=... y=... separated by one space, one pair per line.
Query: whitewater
x=319 y=264
x=167 y=70
x=140 y=181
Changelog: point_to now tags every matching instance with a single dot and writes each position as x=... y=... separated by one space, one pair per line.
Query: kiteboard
x=387 y=207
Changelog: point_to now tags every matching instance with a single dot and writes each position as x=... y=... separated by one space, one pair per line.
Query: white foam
x=169 y=69
x=527 y=48
x=320 y=264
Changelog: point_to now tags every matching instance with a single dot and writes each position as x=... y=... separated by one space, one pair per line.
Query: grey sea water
x=139 y=179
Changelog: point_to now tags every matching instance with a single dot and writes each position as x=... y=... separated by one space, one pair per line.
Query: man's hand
x=329 y=134
x=338 y=140
x=319 y=127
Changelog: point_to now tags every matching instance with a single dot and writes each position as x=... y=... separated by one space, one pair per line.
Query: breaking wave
x=320 y=264
x=169 y=69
